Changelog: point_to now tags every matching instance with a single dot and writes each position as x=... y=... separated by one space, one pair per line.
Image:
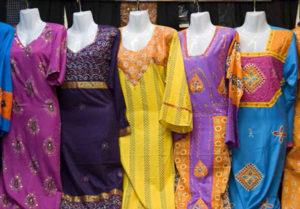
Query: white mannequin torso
x=138 y=32
x=30 y=26
x=200 y=33
x=254 y=33
x=83 y=31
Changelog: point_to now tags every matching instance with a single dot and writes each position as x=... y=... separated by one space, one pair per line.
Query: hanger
x=79 y=2
x=27 y=4
x=197 y=4
x=137 y=5
x=254 y=5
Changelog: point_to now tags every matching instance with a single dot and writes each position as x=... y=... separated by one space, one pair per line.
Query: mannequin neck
x=83 y=21
x=29 y=19
x=255 y=22
x=139 y=21
x=200 y=22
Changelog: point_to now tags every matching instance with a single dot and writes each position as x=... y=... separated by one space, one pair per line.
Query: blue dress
x=265 y=123
x=6 y=38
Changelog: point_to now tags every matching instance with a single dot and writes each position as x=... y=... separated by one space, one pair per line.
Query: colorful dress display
x=93 y=116
x=215 y=85
x=31 y=151
x=265 y=122
x=290 y=197
x=157 y=99
x=6 y=38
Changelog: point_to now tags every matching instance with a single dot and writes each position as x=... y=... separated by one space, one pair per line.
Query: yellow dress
x=291 y=180
x=157 y=99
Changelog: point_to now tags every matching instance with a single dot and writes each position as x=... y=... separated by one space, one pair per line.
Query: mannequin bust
x=254 y=33
x=200 y=33
x=83 y=31
x=138 y=32
x=30 y=26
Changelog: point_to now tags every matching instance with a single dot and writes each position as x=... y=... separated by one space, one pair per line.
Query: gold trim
x=91 y=198
x=261 y=54
x=125 y=131
x=84 y=85
x=262 y=104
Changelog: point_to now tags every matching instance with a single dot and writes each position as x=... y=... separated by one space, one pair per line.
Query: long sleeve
x=290 y=74
x=115 y=87
x=235 y=91
x=176 y=110
x=57 y=62
x=6 y=82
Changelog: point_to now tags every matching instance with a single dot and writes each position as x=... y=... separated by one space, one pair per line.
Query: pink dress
x=30 y=174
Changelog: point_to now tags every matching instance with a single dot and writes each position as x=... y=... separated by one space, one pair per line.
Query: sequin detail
x=15 y=183
x=33 y=165
x=33 y=126
x=49 y=107
x=49 y=147
x=17 y=145
x=30 y=87
x=17 y=108
x=30 y=201
x=5 y=201
x=50 y=186
x=196 y=84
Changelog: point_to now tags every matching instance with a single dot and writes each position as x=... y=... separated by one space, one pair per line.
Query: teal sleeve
x=290 y=74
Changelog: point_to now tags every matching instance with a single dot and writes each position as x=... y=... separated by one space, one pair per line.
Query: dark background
x=280 y=13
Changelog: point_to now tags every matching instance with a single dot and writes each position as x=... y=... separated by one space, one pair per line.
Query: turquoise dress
x=265 y=123
x=6 y=38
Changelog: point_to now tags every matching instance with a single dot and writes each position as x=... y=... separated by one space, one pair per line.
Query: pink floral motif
x=50 y=107
x=42 y=68
x=17 y=108
x=49 y=146
x=48 y=35
x=5 y=201
x=49 y=186
x=14 y=67
x=33 y=126
x=33 y=165
x=30 y=87
x=27 y=51
x=30 y=201
x=15 y=183
x=17 y=145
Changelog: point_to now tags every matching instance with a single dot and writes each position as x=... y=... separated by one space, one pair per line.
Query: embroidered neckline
x=207 y=48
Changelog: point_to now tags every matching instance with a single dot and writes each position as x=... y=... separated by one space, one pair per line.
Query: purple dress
x=202 y=158
x=93 y=117
x=30 y=174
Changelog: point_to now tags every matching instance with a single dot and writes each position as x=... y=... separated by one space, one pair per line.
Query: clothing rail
x=192 y=0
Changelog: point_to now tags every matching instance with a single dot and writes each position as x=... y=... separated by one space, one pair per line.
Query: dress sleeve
x=235 y=91
x=176 y=110
x=57 y=62
x=289 y=88
x=6 y=82
x=115 y=87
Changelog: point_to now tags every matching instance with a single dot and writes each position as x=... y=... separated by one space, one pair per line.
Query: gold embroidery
x=91 y=198
x=84 y=85
x=134 y=63
x=222 y=87
x=200 y=170
x=263 y=104
x=196 y=84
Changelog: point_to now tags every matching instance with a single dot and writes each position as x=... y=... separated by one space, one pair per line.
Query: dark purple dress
x=93 y=117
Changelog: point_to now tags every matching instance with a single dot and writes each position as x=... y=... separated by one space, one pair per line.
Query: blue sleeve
x=290 y=74
x=6 y=82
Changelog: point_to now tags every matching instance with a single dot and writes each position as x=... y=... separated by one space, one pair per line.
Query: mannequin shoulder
x=165 y=33
x=227 y=30
x=282 y=33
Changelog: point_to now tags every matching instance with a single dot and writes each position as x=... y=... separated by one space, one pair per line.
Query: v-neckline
x=87 y=46
x=31 y=42
x=144 y=47
x=207 y=48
